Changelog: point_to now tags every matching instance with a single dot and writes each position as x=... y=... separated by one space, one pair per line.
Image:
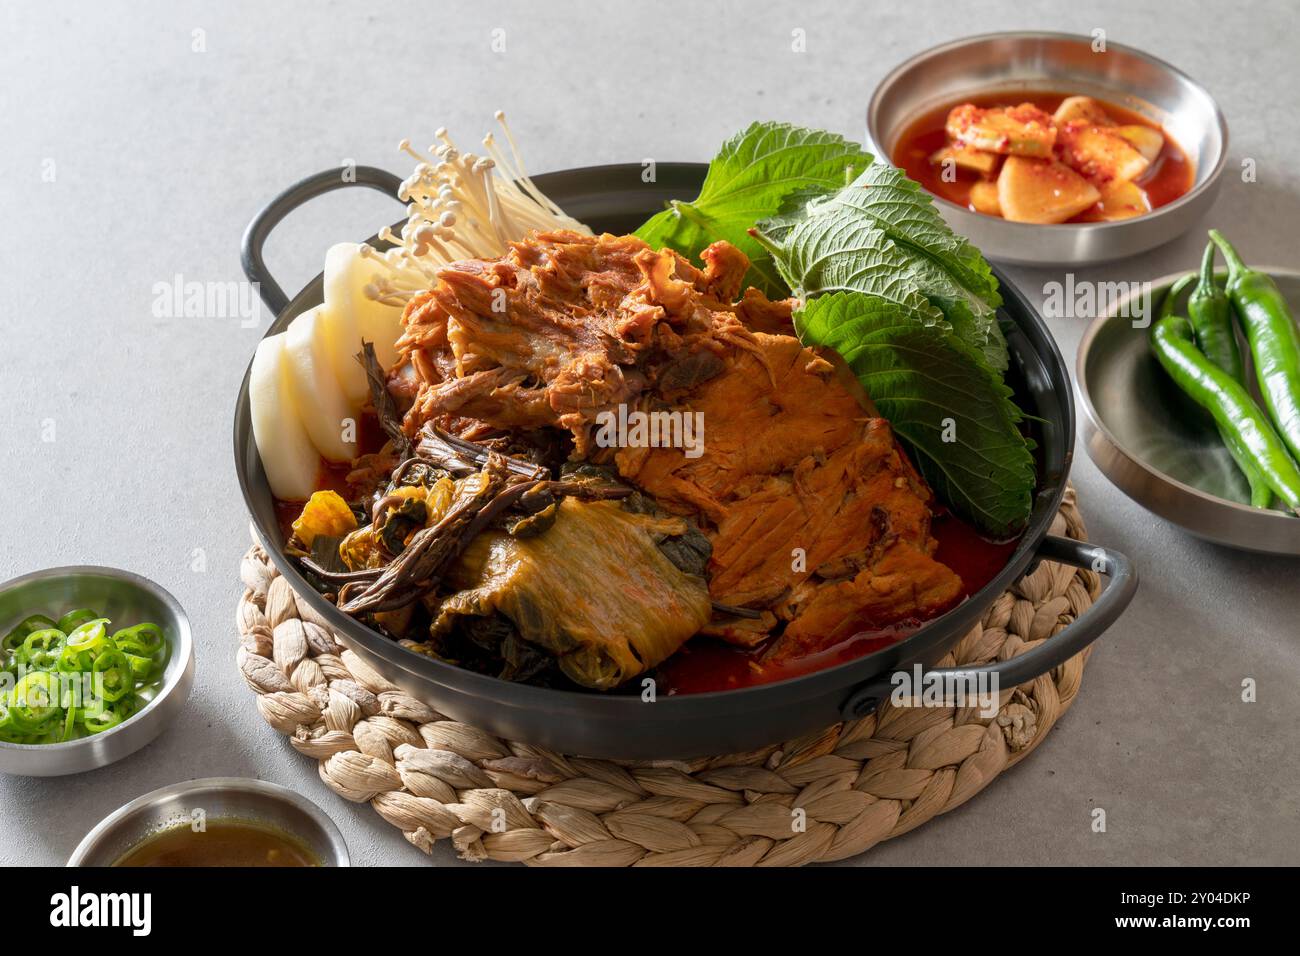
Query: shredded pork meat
x=815 y=514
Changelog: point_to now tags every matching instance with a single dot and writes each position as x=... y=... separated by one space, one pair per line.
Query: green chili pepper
x=41 y=649
x=88 y=633
x=83 y=646
x=113 y=675
x=33 y=701
x=14 y=639
x=1210 y=312
x=77 y=682
x=105 y=717
x=144 y=639
x=1173 y=340
x=142 y=668
x=74 y=619
x=1273 y=337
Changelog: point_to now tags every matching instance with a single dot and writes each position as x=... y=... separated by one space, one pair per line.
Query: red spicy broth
x=705 y=665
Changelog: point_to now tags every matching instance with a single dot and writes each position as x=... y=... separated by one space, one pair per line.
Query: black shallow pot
x=614 y=198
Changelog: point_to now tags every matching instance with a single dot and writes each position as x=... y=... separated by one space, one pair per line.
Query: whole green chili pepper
x=1273 y=337
x=1210 y=311
x=1174 y=344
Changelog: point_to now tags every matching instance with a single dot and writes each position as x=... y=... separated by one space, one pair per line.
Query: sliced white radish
x=1145 y=140
x=288 y=455
x=340 y=330
x=1119 y=200
x=1084 y=108
x=1100 y=153
x=984 y=198
x=1042 y=190
x=323 y=408
x=347 y=274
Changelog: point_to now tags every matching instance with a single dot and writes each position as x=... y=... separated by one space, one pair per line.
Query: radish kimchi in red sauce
x=1170 y=175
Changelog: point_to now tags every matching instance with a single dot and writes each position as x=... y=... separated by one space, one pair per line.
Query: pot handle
x=1025 y=667
x=272 y=213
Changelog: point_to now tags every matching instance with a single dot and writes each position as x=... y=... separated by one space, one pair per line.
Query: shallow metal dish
x=1158 y=446
x=1059 y=63
x=220 y=798
x=125 y=599
x=616 y=199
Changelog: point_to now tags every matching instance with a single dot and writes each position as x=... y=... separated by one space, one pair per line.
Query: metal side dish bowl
x=1158 y=447
x=124 y=598
x=1032 y=62
x=227 y=799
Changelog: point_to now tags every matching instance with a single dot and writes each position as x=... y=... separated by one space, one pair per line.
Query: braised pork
x=816 y=517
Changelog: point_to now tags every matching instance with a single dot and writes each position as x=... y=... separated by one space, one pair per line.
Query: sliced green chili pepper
x=142 y=668
x=74 y=619
x=110 y=716
x=1173 y=341
x=113 y=675
x=33 y=701
x=145 y=639
x=1273 y=337
x=88 y=633
x=41 y=649
x=76 y=682
x=15 y=638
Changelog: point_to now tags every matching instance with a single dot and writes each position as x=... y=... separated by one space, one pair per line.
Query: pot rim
x=947 y=627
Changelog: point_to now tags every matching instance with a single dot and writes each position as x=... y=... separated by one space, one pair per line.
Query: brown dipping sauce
x=1169 y=177
x=222 y=843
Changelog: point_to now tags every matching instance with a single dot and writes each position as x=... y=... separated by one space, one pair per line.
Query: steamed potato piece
x=1022 y=130
x=1042 y=191
x=975 y=160
x=1119 y=200
x=1082 y=108
x=1100 y=153
x=1144 y=139
x=984 y=198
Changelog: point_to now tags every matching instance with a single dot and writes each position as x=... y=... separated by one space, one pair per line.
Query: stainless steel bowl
x=1157 y=446
x=1060 y=63
x=124 y=598
x=219 y=798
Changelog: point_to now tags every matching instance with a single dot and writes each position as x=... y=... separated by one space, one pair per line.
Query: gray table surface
x=160 y=155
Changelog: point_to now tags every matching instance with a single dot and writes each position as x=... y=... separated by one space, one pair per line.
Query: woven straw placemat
x=856 y=783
